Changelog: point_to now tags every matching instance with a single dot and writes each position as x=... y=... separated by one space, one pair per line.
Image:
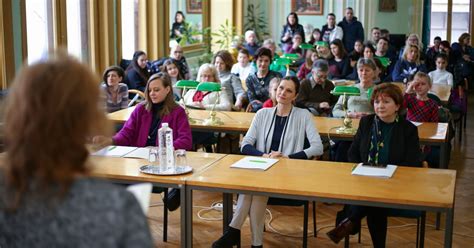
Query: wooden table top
x=240 y=122
x=408 y=186
x=128 y=168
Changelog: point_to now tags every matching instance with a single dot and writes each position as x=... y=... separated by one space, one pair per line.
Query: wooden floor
x=287 y=221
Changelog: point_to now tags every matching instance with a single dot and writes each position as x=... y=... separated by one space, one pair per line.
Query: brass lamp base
x=213 y=120
x=347 y=127
x=346 y=130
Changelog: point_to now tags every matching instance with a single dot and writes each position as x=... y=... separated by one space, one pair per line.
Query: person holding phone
x=382 y=138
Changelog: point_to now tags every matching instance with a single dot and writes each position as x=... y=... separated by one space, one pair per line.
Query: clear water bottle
x=165 y=147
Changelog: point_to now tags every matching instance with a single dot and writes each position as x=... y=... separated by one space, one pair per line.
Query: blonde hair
x=423 y=75
x=208 y=67
x=52 y=108
x=407 y=50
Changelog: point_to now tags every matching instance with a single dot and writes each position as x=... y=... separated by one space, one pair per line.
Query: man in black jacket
x=353 y=29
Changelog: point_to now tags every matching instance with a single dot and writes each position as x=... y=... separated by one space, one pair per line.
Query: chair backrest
x=435 y=98
x=139 y=97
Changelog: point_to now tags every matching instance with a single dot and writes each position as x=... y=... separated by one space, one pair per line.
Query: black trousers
x=376 y=221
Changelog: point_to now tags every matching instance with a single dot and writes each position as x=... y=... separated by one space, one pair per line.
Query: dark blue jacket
x=352 y=31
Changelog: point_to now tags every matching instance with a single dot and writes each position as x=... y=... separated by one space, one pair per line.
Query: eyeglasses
x=178 y=52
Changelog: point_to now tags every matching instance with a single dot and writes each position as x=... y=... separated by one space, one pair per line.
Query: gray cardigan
x=232 y=85
x=300 y=125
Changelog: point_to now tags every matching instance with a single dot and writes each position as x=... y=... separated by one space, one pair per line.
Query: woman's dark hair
x=226 y=57
x=369 y=46
x=176 y=16
x=462 y=37
x=390 y=90
x=296 y=18
x=143 y=72
x=114 y=68
x=263 y=51
x=312 y=40
x=169 y=103
x=168 y=62
x=295 y=81
x=342 y=50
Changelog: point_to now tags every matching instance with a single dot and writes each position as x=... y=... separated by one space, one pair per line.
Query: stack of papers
x=115 y=151
x=371 y=171
x=257 y=163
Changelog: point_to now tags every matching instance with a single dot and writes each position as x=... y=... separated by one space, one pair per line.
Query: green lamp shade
x=209 y=86
x=347 y=90
x=189 y=84
x=306 y=46
x=292 y=56
x=322 y=43
x=369 y=92
x=283 y=61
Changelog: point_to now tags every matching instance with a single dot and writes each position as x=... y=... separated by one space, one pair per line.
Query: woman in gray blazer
x=278 y=132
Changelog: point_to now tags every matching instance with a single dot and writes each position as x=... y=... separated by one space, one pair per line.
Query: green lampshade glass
x=369 y=92
x=209 y=86
x=283 y=61
x=347 y=90
x=189 y=84
x=292 y=56
x=306 y=46
x=322 y=43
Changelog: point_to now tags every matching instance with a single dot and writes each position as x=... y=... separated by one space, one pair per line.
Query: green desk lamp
x=185 y=85
x=345 y=91
x=284 y=62
x=306 y=46
x=213 y=120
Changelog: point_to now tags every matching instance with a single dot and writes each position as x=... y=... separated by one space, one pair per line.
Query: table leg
x=438 y=220
x=187 y=217
x=448 y=233
x=443 y=156
x=227 y=211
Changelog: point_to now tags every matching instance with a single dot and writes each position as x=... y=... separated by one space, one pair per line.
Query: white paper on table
x=114 y=151
x=138 y=153
x=142 y=192
x=373 y=171
x=257 y=163
x=416 y=123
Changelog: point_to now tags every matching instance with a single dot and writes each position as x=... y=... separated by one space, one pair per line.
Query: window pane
x=77 y=30
x=460 y=22
x=439 y=19
x=38 y=28
x=129 y=13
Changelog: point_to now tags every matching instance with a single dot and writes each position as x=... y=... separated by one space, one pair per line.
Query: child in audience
x=441 y=75
x=419 y=106
x=297 y=40
x=171 y=68
x=272 y=88
x=305 y=68
x=243 y=68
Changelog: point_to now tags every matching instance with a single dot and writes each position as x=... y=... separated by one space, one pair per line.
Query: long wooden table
x=126 y=170
x=409 y=188
x=429 y=133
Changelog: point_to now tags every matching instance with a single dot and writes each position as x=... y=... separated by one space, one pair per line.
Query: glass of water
x=180 y=158
x=153 y=155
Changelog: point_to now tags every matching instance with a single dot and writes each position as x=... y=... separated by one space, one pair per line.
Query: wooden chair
x=139 y=97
